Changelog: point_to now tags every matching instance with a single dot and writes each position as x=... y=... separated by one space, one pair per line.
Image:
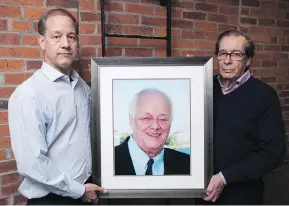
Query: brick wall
x=195 y=27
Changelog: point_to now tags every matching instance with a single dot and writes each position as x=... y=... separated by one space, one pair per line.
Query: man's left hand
x=214 y=188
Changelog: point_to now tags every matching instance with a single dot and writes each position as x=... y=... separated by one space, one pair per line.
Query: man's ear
x=248 y=62
x=41 y=41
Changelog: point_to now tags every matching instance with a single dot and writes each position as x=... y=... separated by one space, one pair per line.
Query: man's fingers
x=98 y=188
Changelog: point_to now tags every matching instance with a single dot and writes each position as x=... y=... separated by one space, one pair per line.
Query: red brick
x=24 y=2
x=113 y=41
x=5 y=92
x=3 y=25
x=160 y=12
x=10 y=11
x=33 y=64
x=268 y=5
x=114 y=51
x=269 y=63
x=3 y=117
x=273 y=40
x=62 y=3
x=218 y=18
x=182 y=44
x=89 y=16
x=10 y=189
x=185 y=5
x=207 y=26
x=285 y=48
x=266 y=22
x=86 y=28
x=11 y=178
x=89 y=40
x=113 y=6
x=29 y=40
x=85 y=74
x=16 y=78
x=123 y=18
x=260 y=38
x=279 y=56
x=247 y=20
x=230 y=10
x=194 y=15
x=277 y=14
x=19 y=25
x=257 y=12
x=21 y=52
x=253 y=3
x=138 y=52
x=212 y=36
x=177 y=13
x=281 y=23
x=283 y=63
x=223 y=27
x=87 y=5
x=273 y=31
x=34 y=13
x=245 y=11
x=206 y=7
x=153 y=21
x=19 y=200
x=7 y=166
x=9 y=38
x=139 y=9
x=160 y=31
x=4 y=201
x=160 y=52
x=256 y=30
x=203 y=44
x=193 y=34
x=233 y=20
x=2 y=157
x=183 y=24
x=88 y=52
x=11 y=65
x=152 y=42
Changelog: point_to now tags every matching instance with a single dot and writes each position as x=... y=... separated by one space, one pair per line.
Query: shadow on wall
x=277 y=186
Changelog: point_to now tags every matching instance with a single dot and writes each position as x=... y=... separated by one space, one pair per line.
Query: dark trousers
x=53 y=199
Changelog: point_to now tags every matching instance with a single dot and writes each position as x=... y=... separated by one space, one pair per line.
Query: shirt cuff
x=223 y=178
x=77 y=190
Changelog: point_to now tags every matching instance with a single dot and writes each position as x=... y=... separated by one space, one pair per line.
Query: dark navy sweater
x=249 y=136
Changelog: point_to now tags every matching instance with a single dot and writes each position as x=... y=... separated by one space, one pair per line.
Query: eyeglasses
x=234 y=55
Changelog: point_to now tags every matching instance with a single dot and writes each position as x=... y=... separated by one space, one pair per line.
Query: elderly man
x=249 y=136
x=143 y=153
x=49 y=121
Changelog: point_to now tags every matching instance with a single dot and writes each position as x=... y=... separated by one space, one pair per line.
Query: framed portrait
x=151 y=126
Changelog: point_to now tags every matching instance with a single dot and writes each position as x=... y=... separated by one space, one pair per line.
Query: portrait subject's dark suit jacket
x=175 y=163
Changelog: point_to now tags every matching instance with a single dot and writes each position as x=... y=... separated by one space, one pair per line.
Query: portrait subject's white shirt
x=49 y=122
x=140 y=159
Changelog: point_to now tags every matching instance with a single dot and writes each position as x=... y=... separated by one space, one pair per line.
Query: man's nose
x=65 y=42
x=228 y=59
x=155 y=124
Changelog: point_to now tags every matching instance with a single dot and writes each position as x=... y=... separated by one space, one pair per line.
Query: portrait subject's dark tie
x=150 y=167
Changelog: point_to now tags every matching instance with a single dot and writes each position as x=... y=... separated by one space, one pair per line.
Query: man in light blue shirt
x=49 y=118
x=143 y=152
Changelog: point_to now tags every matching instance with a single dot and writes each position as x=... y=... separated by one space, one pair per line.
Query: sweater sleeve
x=271 y=149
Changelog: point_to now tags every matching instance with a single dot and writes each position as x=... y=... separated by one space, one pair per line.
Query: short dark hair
x=250 y=47
x=53 y=12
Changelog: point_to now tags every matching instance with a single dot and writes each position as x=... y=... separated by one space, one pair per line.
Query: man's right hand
x=90 y=193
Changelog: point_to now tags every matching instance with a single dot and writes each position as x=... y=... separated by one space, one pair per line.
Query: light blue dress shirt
x=140 y=159
x=49 y=122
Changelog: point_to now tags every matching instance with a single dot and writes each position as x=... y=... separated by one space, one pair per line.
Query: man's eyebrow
x=235 y=50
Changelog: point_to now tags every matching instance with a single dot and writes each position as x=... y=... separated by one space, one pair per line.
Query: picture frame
x=188 y=81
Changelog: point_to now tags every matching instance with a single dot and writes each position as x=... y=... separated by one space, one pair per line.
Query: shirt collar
x=54 y=74
x=139 y=157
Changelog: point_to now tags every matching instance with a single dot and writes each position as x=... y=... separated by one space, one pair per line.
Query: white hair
x=132 y=105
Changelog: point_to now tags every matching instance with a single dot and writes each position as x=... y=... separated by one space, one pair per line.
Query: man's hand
x=214 y=188
x=90 y=194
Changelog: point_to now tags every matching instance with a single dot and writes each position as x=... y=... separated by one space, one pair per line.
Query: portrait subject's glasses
x=234 y=55
x=162 y=122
